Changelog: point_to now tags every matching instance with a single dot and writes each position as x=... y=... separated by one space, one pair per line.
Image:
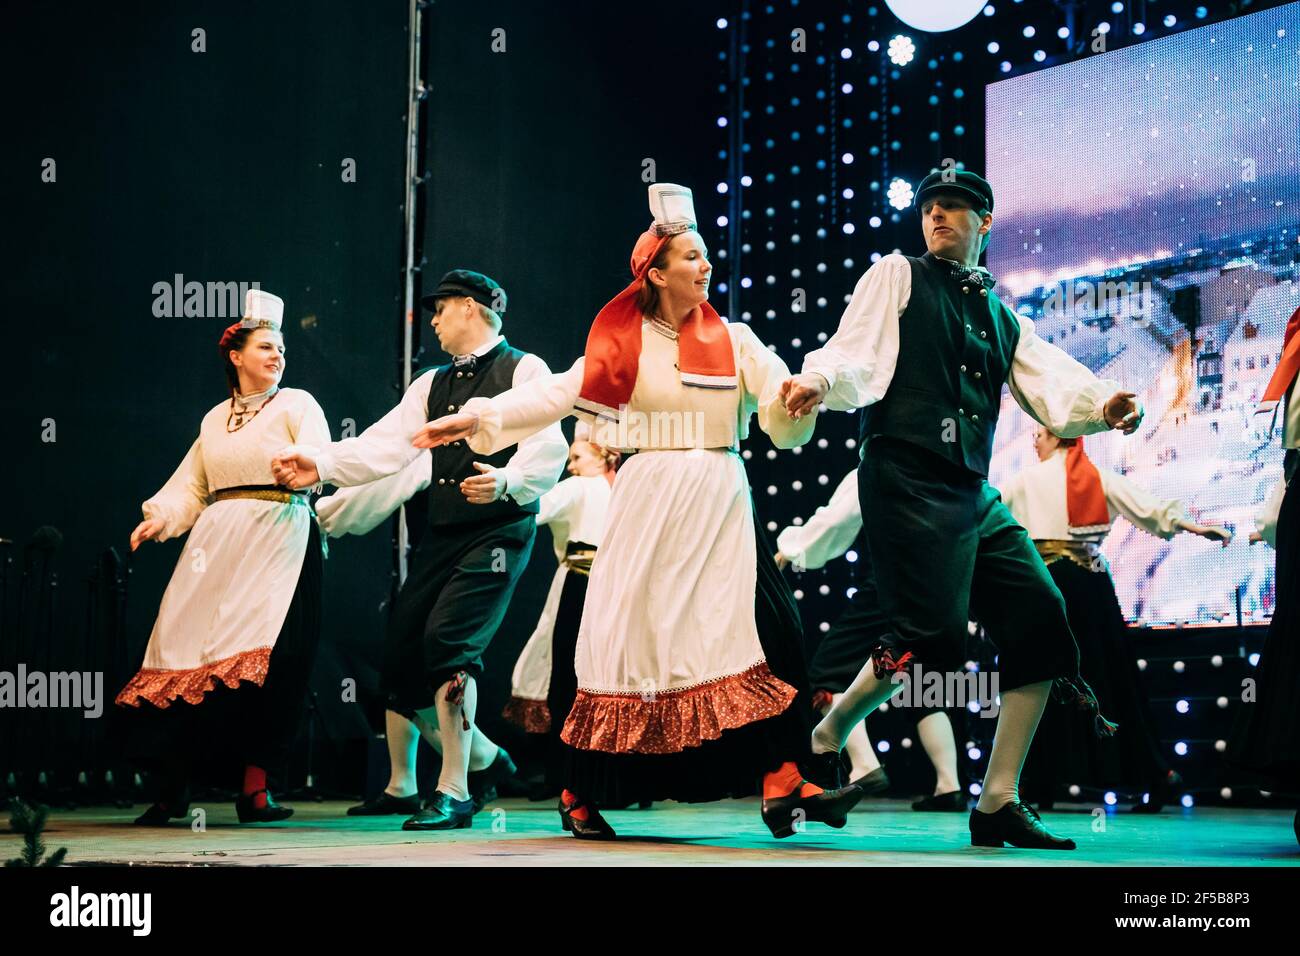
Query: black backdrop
x=226 y=166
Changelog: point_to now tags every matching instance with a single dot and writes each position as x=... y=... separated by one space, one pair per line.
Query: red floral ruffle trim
x=532 y=715
x=671 y=721
x=161 y=687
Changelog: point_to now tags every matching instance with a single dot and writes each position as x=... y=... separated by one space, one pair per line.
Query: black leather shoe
x=442 y=813
x=1016 y=823
x=160 y=816
x=786 y=815
x=385 y=805
x=595 y=827
x=874 y=783
x=826 y=770
x=271 y=813
x=952 y=802
x=482 y=784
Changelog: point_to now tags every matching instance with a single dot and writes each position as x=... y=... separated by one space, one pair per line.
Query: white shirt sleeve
x=829 y=532
x=858 y=361
x=560 y=502
x=507 y=419
x=761 y=372
x=537 y=463
x=1157 y=516
x=1266 y=520
x=384 y=448
x=179 y=502
x=362 y=508
x=1056 y=391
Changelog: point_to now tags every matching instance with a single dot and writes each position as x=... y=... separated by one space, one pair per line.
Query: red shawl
x=613 y=351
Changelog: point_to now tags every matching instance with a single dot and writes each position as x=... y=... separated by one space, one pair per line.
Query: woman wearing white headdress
x=683 y=691
x=243 y=604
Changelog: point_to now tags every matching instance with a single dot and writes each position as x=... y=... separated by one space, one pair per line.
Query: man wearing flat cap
x=924 y=348
x=482 y=514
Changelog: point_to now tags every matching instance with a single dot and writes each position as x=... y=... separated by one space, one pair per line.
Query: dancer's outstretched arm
x=1063 y=395
x=177 y=504
x=362 y=508
x=1162 y=517
x=381 y=450
x=856 y=365
x=761 y=374
x=488 y=425
x=829 y=533
x=539 y=460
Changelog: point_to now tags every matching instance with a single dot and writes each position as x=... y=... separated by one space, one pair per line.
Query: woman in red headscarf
x=1067 y=504
x=686 y=667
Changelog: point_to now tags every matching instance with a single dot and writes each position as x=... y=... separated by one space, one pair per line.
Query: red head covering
x=1085 y=498
x=613 y=351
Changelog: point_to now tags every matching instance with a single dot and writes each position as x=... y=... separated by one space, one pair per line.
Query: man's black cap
x=961 y=182
x=482 y=289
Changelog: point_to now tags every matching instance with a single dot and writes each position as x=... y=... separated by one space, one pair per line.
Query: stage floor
x=520 y=833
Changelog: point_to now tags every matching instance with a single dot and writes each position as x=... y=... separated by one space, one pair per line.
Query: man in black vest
x=482 y=516
x=925 y=347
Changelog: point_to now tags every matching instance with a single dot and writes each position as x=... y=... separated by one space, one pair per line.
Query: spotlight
x=1180 y=748
x=1182 y=706
x=1111 y=799
x=935 y=17
x=901 y=50
x=900 y=193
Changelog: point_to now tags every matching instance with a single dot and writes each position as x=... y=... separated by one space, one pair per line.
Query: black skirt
x=564 y=676
x=734 y=763
x=248 y=724
x=1266 y=737
x=1066 y=750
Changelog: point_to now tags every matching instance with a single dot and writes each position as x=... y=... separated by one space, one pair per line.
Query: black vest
x=491 y=374
x=955 y=344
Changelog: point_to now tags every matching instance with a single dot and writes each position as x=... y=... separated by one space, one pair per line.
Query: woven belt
x=262 y=494
x=1086 y=554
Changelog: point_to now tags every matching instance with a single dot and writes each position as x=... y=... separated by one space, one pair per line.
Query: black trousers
x=455 y=596
x=1266 y=732
x=945 y=550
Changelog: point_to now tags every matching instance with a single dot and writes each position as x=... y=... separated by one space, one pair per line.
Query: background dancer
x=829 y=533
x=1266 y=738
x=681 y=695
x=544 y=682
x=943 y=545
x=1067 y=505
x=236 y=634
x=482 y=516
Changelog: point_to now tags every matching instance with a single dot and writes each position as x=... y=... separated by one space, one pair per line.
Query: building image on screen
x=1147 y=220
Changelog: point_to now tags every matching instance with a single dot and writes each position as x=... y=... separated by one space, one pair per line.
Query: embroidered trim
x=671 y=721
x=532 y=715
x=160 y=687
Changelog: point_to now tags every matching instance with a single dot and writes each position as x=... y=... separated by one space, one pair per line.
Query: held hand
x=1215 y=533
x=294 y=470
x=1255 y=537
x=782 y=562
x=485 y=487
x=802 y=394
x=445 y=430
x=146 y=530
x=1124 y=411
